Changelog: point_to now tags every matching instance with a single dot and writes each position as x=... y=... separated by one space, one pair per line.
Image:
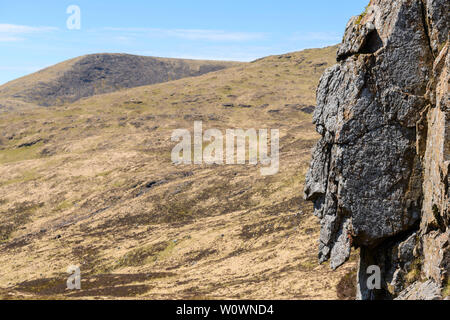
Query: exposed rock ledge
x=379 y=175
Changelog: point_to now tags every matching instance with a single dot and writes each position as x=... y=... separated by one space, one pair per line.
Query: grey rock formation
x=427 y=290
x=379 y=174
x=103 y=73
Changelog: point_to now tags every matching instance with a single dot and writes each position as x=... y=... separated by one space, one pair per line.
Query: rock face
x=379 y=174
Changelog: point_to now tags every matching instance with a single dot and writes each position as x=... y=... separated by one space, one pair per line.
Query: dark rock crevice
x=426 y=25
x=372 y=43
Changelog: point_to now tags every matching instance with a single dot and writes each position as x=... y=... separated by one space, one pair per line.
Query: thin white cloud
x=123 y=38
x=223 y=52
x=195 y=34
x=20 y=68
x=9 y=38
x=10 y=32
x=214 y=35
x=18 y=29
x=316 y=36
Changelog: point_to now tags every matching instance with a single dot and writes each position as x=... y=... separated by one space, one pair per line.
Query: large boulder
x=379 y=174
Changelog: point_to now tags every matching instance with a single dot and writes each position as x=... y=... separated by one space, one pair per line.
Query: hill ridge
x=97 y=73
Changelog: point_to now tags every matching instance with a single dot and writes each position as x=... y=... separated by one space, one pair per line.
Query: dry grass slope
x=91 y=184
x=94 y=74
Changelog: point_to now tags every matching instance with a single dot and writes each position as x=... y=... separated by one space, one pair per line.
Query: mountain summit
x=94 y=74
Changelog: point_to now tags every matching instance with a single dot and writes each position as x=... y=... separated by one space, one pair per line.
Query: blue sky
x=34 y=34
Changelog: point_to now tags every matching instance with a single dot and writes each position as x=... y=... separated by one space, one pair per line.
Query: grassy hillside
x=99 y=73
x=92 y=184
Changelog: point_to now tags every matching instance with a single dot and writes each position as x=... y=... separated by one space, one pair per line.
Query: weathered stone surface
x=436 y=254
x=437 y=17
x=421 y=291
x=437 y=153
x=380 y=169
x=367 y=109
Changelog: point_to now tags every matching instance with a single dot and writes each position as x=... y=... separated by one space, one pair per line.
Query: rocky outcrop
x=379 y=174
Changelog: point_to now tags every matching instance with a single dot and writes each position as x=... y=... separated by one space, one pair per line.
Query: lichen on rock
x=380 y=169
